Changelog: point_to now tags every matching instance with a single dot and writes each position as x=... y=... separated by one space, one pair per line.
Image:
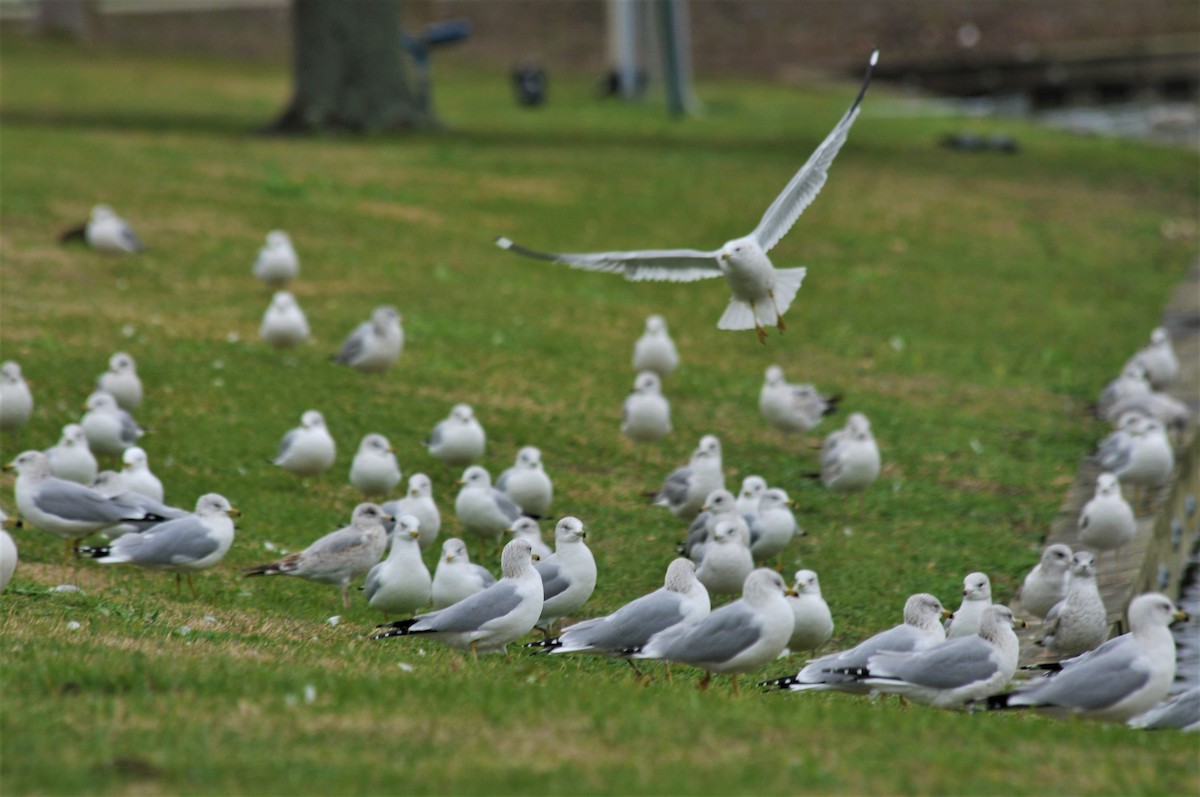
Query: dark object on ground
x=970 y=142
x=73 y=235
x=529 y=82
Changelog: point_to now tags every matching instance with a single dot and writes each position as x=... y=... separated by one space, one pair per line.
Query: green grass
x=971 y=305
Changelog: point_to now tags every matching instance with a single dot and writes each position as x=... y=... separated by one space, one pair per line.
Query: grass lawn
x=971 y=305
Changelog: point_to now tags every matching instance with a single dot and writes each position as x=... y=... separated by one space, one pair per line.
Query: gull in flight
x=761 y=293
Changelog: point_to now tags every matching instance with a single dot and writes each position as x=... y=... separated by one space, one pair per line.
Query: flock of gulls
x=965 y=658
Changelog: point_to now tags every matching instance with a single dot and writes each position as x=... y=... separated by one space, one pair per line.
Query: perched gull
x=720 y=505
x=1131 y=384
x=16 y=401
x=307 y=450
x=813 y=622
x=850 y=459
x=184 y=545
x=686 y=489
x=646 y=414
x=793 y=408
x=1107 y=522
x=108 y=232
x=1181 y=712
x=727 y=560
x=337 y=557
x=374 y=470
x=921 y=629
x=761 y=293
x=752 y=491
x=375 y=344
x=62 y=508
x=1046 y=583
x=527 y=484
x=284 y=324
x=1170 y=411
x=459 y=439
x=277 y=263
x=568 y=576
x=121 y=381
x=954 y=672
x=1123 y=678
x=488 y=620
x=654 y=350
x=1077 y=623
x=526 y=528
x=419 y=503
x=109 y=429
x=733 y=639
x=681 y=601
x=1158 y=359
x=977 y=597
x=772 y=526
x=400 y=584
x=8 y=553
x=482 y=509
x=138 y=476
x=1145 y=459
x=457 y=577
x=71 y=458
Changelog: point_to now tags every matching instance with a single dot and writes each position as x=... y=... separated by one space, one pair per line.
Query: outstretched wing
x=807 y=183
x=658 y=265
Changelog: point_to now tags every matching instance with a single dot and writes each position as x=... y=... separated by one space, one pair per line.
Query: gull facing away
x=488 y=620
x=733 y=639
x=654 y=350
x=374 y=344
x=646 y=414
x=921 y=629
x=187 y=544
x=418 y=503
x=337 y=557
x=527 y=484
x=121 y=381
x=16 y=400
x=793 y=407
x=977 y=596
x=277 y=262
x=307 y=450
x=284 y=324
x=1046 y=583
x=681 y=601
x=955 y=672
x=761 y=293
x=400 y=584
x=457 y=577
x=1117 y=681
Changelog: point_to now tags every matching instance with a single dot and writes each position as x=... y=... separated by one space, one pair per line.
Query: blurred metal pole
x=622 y=45
x=674 y=27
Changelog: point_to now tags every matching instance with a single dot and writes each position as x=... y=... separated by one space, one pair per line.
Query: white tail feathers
x=787 y=285
x=738 y=314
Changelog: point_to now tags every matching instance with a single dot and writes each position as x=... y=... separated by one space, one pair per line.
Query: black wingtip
x=778 y=684
x=93 y=552
x=874 y=59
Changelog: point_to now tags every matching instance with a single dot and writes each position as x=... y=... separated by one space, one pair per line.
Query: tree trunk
x=349 y=70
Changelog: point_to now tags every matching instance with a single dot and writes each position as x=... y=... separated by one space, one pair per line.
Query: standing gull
x=720 y=505
x=419 y=503
x=793 y=408
x=457 y=577
x=8 y=553
x=526 y=528
x=977 y=596
x=850 y=459
x=277 y=262
x=772 y=526
x=921 y=629
x=374 y=344
x=112 y=484
x=1158 y=359
x=1077 y=623
x=1144 y=459
x=284 y=324
x=137 y=474
x=751 y=493
x=568 y=575
x=307 y=450
x=1107 y=522
x=488 y=620
x=681 y=601
x=646 y=414
x=654 y=350
x=761 y=293
x=16 y=400
x=527 y=484
x=121 y=381
x=813 y=622
x=1123 y=678
x=108 y=232
x=400 y=584
x=71 y=458
x=109 y=429
x=374 y=470
x=686 y=489
x=187 y=544
x=337 y=557
x=727 y=559
x=482 y=509
x=1046 y=583
x=733 y=639
x=459 y=439
x=955 y=672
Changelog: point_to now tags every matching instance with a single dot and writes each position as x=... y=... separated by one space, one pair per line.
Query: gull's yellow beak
x=414 y=533
x=791 y=592
x=724 y=255
x=7 y=467
x=386 y=518
x=535 y=557
x=234 y=512
x=947 y=614
x=1181 y=616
